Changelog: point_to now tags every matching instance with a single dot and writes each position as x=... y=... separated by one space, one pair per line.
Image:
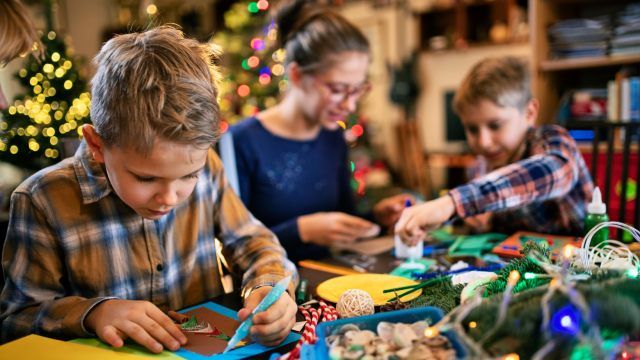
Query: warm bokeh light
x=152 y=9
x=244 y=90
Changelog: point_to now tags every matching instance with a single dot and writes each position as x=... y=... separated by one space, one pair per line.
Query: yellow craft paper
x=39 y=347
x=374 y=284
x=128 y=348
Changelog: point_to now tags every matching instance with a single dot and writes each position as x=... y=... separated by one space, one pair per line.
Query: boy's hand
x=272 y=326
x=387 y=211
x=326 y=228
x=416 y=220
x=116 y=320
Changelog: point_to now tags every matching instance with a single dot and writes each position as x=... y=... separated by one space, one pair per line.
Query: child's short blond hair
x=505 y=81
x=154 y=84
x=17 y=34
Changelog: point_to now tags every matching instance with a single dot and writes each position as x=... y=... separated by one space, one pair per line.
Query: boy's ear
x=94 y=141
x=531 y=112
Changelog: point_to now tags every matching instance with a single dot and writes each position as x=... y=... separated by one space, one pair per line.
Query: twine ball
x=355 y=302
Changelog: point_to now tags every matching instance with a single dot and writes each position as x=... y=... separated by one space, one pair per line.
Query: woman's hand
x=326 y=228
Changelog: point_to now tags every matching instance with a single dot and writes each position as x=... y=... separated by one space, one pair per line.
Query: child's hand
x=116 y=320
x=387 y=211
x=416 y=220
x=326 y=228
x=272 y=326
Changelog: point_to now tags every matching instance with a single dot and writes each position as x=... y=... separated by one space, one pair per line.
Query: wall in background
x=392 y=33
x=441 y=72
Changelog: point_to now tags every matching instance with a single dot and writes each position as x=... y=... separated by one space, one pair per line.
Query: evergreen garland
x=522 y=265
x=612 y=297
x=614 y=306
x=443 y=295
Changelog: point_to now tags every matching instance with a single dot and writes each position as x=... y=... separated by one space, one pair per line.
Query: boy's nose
x=484 y=139
x=167 y=198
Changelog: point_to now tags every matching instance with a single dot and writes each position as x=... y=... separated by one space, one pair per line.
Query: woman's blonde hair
x=155 y=84
x=17 y=34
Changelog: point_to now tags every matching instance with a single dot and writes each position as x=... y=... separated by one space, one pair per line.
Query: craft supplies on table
x=328 y=268
x=302 y=291
x=355 y=302
x=410 y=271
x=320 y=350
x=200 y=346
x=358 y=262
x=511 y=247
x=40 y=347
x=475 y=245
x=374 y=284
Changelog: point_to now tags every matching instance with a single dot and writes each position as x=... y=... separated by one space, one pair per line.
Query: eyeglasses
x=340 y=92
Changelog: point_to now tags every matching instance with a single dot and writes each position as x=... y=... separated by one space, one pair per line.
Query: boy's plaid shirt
x=73 y=243
x=547 y=191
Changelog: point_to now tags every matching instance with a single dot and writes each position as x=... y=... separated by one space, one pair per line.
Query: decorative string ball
x=355 y=302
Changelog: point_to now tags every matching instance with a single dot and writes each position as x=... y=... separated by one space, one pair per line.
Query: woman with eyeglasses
x=292 y=159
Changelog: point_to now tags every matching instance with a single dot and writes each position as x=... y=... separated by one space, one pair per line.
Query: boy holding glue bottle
x=525 y=178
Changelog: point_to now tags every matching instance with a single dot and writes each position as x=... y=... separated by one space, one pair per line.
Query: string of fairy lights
x=34 y=123
x=259 y=80
x=573 y=319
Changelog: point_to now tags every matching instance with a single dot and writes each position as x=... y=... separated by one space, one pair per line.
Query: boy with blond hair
x=106 y=242
x=525 y=177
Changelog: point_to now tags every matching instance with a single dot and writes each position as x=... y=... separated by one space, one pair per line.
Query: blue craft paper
x=243 y=352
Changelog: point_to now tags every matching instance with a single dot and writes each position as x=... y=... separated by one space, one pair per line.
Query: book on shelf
x=634 y=98
x=625 y=100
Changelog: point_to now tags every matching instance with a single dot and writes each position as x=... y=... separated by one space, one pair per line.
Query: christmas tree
x=54 y=107
x=253 y=67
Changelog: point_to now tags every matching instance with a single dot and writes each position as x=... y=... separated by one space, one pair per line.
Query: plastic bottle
x=411 y=253
x=596 y=214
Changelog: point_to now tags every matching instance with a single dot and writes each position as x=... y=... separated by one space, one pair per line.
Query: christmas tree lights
x=253 y=67
x=55 y=106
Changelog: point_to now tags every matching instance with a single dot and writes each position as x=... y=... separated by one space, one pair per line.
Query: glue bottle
x=411 y=253
x=596 y=214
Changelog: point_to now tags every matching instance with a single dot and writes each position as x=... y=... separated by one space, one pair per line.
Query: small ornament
x=355 y=302
x=204 y=328
x=394 y=305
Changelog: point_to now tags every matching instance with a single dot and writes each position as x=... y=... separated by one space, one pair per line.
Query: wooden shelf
x=550 y=77
x=473 y=46
x=586 y=63
x=468 y=22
